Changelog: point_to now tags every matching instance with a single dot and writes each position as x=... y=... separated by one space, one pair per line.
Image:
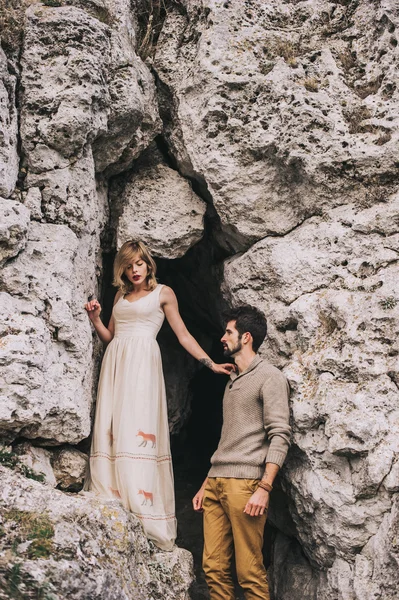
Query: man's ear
x=247 y=338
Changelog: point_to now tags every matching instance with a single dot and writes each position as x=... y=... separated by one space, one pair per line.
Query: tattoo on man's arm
x=207 y=362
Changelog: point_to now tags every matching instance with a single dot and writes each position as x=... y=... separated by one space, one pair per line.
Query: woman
x=130 y=455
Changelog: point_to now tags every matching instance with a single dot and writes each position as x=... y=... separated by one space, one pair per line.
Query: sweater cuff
x=276 y=457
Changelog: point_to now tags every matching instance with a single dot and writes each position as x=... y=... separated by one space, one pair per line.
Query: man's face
x=231 y=340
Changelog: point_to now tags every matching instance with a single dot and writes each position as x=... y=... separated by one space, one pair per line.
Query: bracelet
x=265 y=486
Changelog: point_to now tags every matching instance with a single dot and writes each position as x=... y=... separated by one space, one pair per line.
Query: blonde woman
x=130 y=454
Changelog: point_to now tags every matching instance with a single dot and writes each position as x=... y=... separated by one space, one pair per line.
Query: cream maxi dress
x=130 y=454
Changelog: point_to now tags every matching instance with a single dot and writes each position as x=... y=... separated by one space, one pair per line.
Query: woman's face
x=137 y=270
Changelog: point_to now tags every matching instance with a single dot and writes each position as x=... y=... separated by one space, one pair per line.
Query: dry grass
x=288 y=51
x=347 y=60
x=311 y=84
x=151 y=15
x=11 y=22
x=369 y=88
x=355 y=119
x=28 y=526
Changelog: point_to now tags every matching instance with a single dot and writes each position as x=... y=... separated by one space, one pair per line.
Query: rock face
x=160 y=208
x=285 y=111
x=283 y=108
x=79 y=548
x=283 y=116
x=8 y=130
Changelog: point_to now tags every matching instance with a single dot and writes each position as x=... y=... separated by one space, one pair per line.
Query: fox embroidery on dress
x=148 y=496
x=130 y=451
x=147 y=437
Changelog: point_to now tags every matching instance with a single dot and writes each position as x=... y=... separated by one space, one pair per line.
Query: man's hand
x=258 y=503
x=199 y=497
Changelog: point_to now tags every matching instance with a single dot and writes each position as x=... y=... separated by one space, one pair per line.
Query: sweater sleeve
x=276 y=416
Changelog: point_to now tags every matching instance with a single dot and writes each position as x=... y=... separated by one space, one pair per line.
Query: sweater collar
x=251 y=367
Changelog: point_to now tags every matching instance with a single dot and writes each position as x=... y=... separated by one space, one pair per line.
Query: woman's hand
x=223 y=369
x=93 y=309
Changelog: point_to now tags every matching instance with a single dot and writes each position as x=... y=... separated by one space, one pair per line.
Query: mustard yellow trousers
x=228 y=529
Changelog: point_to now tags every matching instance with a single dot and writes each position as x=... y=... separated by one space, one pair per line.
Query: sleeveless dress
x=130 y=454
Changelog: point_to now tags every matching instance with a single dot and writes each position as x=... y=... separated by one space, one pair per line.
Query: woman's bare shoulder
x=167 y=294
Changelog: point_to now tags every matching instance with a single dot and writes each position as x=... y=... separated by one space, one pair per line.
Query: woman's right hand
x=93 y=309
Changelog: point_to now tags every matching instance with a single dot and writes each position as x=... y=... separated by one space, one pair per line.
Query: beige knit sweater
x=255 y=423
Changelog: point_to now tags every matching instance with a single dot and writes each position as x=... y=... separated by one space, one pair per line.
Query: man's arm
x=259 y=501
x=276 y=415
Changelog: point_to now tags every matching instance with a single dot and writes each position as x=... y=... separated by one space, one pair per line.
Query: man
x=253 y=445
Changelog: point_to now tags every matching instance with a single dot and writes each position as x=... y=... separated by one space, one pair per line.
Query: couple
x=130 y=455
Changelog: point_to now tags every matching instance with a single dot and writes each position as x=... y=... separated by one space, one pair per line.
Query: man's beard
x=237 y=348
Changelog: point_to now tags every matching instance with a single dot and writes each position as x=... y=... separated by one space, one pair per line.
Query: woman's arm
x=170 y=307
x=93 y=309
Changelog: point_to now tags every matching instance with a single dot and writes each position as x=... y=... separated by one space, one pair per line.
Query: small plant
x=388 y=303
x=19 y=585
x=311 y=84
x=347 y=60
x=288 y=51
x=12 y=461
x=151 y=15
x=52 y=3
x=24 y=526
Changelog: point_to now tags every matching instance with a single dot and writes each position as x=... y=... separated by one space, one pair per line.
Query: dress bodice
x=140 y=318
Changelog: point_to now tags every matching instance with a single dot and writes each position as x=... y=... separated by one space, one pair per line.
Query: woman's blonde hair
x=124 y=258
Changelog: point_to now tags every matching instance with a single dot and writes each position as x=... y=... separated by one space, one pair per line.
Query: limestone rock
x=328 y=289
x=283 y=109
x=37 y=459
x=46 y=338
x=33 y=201
x=67 y=79
x=14 y=223
x=77 y=547
x=97 y=91
x=69 y=466
x=161 y=209
x=133 y=120
x=375 y=571
x=9 y=160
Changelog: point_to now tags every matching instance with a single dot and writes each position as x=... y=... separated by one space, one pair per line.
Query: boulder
x=328 y=290
x=282 y=110
x=77 y=547
x=69 y=466
x=160 y=208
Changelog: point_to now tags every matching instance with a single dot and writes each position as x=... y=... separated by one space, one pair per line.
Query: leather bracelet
x=265 y=486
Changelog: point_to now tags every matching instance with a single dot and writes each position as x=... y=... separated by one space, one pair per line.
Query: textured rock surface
x=160 y=208
x=8 y=130
x=79 y=548
x=14 y=225
x=285 y=111
x=283 y=108
x=37 y=459
x=46 y=340
x=285 y=115
x=329 y=291
x=69 y=466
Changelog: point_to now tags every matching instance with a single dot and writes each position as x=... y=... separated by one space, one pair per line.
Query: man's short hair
x=248 y=318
